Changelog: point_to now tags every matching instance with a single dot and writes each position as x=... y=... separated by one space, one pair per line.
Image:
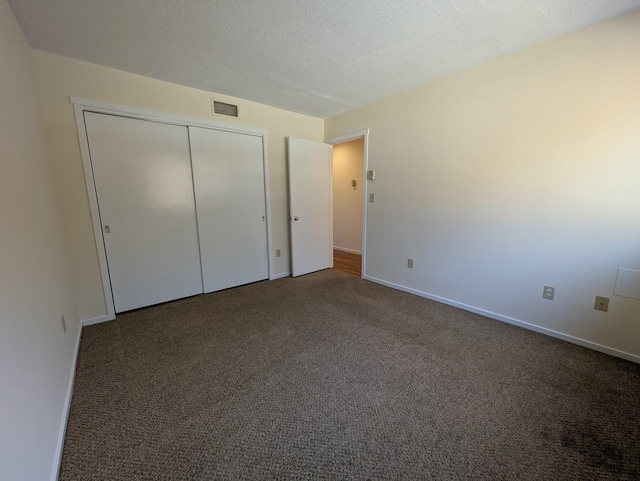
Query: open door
x=310 y=205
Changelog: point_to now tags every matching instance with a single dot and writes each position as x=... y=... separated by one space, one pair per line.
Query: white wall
x=348 y=165
x=59 y=77
x=521 y=172
x=35 y=355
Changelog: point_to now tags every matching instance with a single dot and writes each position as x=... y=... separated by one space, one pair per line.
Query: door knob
x=296 y=218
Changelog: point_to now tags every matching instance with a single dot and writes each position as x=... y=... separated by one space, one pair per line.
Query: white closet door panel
x=311 y=205
x=228 y=172
x=143 y=181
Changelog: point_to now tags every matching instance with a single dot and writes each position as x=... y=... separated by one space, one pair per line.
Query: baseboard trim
x=344 y=249
x=280 y=276
x=66 y=408
x=96 y=320
x=510 y=320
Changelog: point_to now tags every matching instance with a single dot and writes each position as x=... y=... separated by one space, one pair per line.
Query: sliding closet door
x=143 y=181
x=228 y=173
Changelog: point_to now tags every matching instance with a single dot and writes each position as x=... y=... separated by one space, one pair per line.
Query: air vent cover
x=225 y=109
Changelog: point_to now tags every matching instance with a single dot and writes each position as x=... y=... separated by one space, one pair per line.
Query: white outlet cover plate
x=549 y=293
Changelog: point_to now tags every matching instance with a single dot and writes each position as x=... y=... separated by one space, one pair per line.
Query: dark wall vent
x=225 y=109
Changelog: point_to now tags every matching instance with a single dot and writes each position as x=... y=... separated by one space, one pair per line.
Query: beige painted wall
x=521 y=172
x=59 y=77
x=35 y=289
x=348 y=165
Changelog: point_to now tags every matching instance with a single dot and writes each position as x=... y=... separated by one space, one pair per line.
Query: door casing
x=364 y=134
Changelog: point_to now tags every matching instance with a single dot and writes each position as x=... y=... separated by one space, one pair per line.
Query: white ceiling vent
x=222 y=108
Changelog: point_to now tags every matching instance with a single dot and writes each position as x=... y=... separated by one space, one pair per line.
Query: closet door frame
x=86 y=105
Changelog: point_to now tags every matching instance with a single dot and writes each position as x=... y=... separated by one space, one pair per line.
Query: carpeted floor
x=331 y=377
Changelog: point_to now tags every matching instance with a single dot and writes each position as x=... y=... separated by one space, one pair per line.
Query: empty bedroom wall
x=35 y=290
x=515 y=174
x=59 y=77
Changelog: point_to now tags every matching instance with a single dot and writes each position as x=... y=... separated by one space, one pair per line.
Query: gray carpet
x=331 y=377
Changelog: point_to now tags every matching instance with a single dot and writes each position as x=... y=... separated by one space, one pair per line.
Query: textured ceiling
x=317 y=57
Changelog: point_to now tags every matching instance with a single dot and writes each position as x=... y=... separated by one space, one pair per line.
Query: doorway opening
x=349 y=206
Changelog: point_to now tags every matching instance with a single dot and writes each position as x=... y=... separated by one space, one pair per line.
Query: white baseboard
x=344 y=249
x=96 y=320
x=509 y=320
x=280 y=276
x=65 y=410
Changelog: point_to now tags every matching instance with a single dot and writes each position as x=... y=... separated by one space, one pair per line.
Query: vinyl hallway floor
x=347 y=262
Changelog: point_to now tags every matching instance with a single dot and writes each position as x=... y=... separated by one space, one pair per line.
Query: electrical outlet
x=277 y=252
x=371 y=198
x=410 y=263
x=602 y=304
x=549 y=292
x=64 y=324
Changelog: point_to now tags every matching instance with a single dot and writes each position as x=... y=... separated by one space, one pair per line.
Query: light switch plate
x=371 y=175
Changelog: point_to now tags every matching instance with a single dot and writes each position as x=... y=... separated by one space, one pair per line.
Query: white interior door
x=311 y=209
x=142 y=174
x=228 y=173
